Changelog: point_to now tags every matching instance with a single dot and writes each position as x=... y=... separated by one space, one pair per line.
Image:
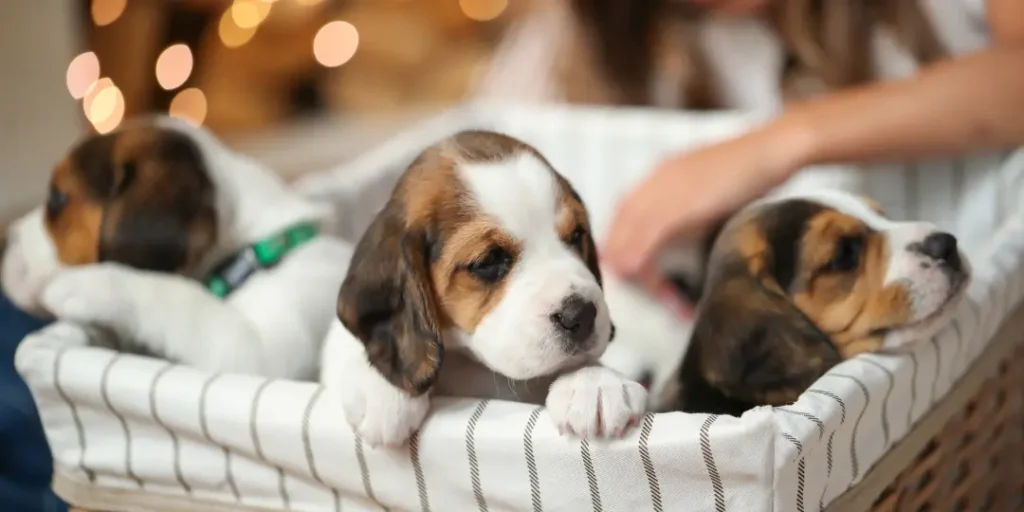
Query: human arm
x=963 y=104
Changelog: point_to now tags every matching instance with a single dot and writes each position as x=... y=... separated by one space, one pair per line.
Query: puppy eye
x=576 y=238
x=56 y=200
x=493 y=267
x=846 y=255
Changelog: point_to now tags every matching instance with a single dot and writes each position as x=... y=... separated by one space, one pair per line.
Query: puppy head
x=140 y=196
x=798 y=284
x=482 y=247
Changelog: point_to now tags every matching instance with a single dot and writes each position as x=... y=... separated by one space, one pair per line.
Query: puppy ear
x=387 y=301
x=161 y=214
x=752 y=345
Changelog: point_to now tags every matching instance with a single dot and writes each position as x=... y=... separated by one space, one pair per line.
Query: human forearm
x=962 y=105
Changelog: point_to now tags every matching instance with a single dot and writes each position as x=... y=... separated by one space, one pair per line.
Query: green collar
x=264 y=254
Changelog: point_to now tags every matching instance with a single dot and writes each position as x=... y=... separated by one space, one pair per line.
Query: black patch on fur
x=784 y=227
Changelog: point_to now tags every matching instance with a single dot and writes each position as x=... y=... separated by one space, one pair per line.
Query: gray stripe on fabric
x=307 y=443
x=814 y=419
x=531 y=461
x=709 y=463
x=842 y=404
x=796 y=442
x=205 y=427
x=421 y=483
x=885 y=400
x=913 y=389
x=828 y=473
x=364 y=472
x=959 y=345
x=254 y=434
x=801 y=479
x=800 y=470
x=856 y=425
x=105 y=393
x=474 y=465
x=89 y=474
x=938 y=368
x=645 y=458
x=588 y=468
x=178 y=474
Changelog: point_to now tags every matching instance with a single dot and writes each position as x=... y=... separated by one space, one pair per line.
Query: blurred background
x=300 y=84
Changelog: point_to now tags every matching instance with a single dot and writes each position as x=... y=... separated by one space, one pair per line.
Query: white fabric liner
x=138 y=424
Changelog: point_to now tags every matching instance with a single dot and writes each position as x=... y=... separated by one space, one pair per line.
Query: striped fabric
x=135 y=428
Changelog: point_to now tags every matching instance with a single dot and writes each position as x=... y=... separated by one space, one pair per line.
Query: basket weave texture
x=976 y=463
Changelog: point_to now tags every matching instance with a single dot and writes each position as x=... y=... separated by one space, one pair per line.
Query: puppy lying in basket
x=183 y=249
x=799 y=283
x=479 y=278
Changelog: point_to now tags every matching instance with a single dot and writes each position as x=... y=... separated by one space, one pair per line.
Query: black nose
x=942 y=247
x=576 y=318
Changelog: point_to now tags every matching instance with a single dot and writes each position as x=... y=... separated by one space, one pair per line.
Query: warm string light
x=105 y=12
x=83 y=72
x=249 y=13
x=335 y=43
x=190 y=105
x=104 y=105
x=483 y=10
x=173 y=66
x=103 y=102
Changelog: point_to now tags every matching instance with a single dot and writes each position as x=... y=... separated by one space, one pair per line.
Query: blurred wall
x=38 y=118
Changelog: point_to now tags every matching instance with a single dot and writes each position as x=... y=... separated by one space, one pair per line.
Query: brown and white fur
x=134 y=217
x=479 y=278
x=798 y=283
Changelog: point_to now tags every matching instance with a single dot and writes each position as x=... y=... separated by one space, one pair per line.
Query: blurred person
x=842 y=81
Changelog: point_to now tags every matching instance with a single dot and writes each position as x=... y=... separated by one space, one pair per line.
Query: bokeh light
x=190 y=105
x=173 y=66
x=83 y=71
x=335 y=43
x=105 y=12
x=104 y=105
x=483 y=10
x=249 y=13
x=231 y=34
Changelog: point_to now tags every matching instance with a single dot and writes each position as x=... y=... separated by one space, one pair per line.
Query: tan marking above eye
x=76 y=231
x=849 y=306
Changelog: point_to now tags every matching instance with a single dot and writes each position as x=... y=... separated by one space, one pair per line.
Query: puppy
x=479 y=278
x=797 y=284
x=182 y=249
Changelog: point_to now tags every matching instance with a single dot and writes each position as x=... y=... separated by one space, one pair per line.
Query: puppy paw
x=382 y=415
x=82 y=294
x=595 y=402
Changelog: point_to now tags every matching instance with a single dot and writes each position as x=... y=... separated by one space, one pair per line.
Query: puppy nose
x=576 y=318
x=942 y=247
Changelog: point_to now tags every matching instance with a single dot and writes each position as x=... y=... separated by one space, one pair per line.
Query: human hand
x=688 y=192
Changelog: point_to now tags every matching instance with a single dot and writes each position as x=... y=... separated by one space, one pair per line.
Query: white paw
x=595 y=402
x=82 y=294
x=379 y=413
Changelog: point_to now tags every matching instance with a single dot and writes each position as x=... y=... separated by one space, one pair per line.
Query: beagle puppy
x=479 y=278
x=183 y=249
x=797 y=284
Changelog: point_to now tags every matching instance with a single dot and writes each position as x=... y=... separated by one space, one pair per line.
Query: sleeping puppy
x=799 y=283
x=479 y=278
x=182 y=249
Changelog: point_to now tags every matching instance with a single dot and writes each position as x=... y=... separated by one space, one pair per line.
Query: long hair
x=828 y=39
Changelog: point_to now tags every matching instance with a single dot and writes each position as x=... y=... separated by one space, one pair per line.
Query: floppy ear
x=751 y=346
x=387 y=301
x=160 y=214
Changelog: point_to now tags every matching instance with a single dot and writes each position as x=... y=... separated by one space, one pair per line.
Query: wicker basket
x=977 y=461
